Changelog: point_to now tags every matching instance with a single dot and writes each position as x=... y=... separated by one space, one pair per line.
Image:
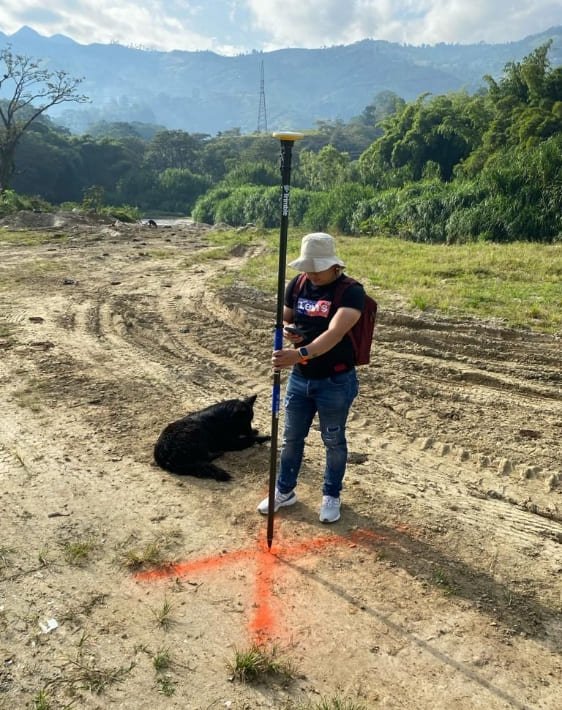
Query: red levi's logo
x=313 y=308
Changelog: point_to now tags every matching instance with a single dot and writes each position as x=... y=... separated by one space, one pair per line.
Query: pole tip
x=288 y=135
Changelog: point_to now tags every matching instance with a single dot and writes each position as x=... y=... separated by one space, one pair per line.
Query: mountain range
x=204 y=92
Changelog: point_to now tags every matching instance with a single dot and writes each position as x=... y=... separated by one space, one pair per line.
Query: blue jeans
x=331 y=397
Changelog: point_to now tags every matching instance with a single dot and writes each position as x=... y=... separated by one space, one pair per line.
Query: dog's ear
x=251 y=400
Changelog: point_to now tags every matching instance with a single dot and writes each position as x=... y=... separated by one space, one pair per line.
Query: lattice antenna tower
x=262 y=111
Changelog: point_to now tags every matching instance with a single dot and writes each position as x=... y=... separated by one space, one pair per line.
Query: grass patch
x=25 y=237
x=161 y=254
x=226 y=243
x=87 y=673
x=257 y=662
x=41 y=701
x=419 y=301
x=442 y=580
x=335 y=703
x=5 y=555
x=166 y=685
x=163 y=615
x=78 y=552
x=214 y=254
x=74 y=614
x=230 y=238
x=43 y=557
x=162 y=660
x=153 y=553
x=162 y=663
x=519 y=283
x=30 y=270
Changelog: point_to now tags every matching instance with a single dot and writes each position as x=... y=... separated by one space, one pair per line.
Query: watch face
x=303 y=352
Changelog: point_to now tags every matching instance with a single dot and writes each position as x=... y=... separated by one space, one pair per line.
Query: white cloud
x=231 y=26
x=158 y=24
x=482 y=20
x=312 y=23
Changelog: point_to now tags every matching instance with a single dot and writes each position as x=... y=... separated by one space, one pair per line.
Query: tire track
x=414 y=473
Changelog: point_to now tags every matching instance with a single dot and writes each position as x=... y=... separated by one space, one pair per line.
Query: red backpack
x=362 y=332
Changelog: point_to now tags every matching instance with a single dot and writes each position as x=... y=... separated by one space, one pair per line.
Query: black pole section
x=287 y=140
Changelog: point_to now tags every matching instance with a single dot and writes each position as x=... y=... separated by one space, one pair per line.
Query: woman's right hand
x=287 y=357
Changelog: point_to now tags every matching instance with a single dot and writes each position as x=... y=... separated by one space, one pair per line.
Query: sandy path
x=441 y=587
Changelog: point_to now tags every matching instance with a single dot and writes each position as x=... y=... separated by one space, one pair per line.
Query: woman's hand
x=281 y=359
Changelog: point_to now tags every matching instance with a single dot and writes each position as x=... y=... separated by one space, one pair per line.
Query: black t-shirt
x=312 y=313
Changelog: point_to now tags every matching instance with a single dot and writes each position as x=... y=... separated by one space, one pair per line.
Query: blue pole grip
x=278 y=338
x=276 y=393
x=275 y=399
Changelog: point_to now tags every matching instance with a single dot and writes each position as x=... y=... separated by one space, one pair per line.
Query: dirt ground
x=439 y=588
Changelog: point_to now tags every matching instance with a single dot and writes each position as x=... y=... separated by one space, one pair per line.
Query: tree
x=524 y=107
x=175 y=149
x=179 y=188
x=441 y=130
x=523 y=81
x=32 y=90
x=325 y=169
x=49 y=163
x=383 y=105
x=105 y=162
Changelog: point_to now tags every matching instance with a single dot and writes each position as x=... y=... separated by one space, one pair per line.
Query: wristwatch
x=304 y=354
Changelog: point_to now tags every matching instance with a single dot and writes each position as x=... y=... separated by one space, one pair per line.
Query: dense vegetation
x=449 y=168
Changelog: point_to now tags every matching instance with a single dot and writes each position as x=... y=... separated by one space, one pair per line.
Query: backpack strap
x=297 y=288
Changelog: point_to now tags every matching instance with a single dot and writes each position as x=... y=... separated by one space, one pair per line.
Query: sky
x=232 y=27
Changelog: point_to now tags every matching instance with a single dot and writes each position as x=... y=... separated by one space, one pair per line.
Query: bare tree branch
x=34 y=90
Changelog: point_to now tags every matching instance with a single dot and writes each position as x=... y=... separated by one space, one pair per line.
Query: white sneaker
x=281 y=499
x=330 y=509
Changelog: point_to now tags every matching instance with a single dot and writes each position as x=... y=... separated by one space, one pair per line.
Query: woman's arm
x=342 y=322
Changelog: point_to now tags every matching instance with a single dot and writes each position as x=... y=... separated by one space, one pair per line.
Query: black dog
x=187 y=445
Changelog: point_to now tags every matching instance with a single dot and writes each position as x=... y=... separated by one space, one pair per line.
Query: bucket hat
x=318 y=253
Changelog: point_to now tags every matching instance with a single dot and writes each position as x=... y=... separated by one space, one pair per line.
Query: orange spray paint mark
x=184 y=569
x=262 y=624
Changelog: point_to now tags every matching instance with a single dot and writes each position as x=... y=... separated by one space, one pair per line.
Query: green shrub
x=231 y=208
x=259 y=173
x=206 y=206
x=11 y=201
x=177 y=190
x=335 y=208
x=299 y=204
x=239 y=205
x=317 y=216
x=124 y=213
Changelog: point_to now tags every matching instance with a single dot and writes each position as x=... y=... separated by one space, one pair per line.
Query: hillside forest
x=444 y=168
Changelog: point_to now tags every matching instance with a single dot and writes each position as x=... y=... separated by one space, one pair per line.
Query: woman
x=323 y=378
